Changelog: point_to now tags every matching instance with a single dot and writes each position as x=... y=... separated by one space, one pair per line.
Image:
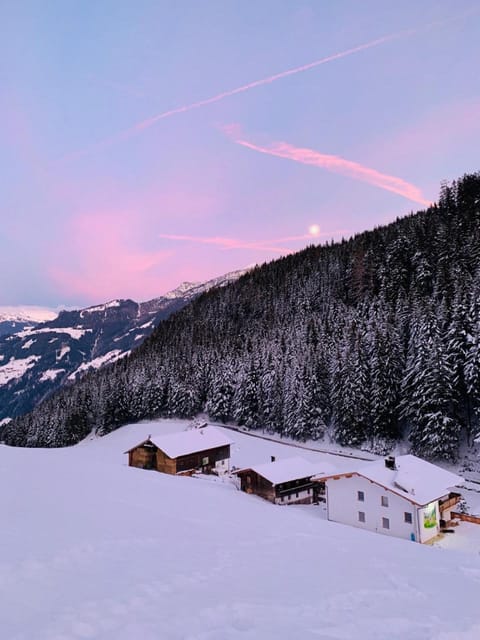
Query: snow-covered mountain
x=13 y=319
x=42 y=356
x=117 y=553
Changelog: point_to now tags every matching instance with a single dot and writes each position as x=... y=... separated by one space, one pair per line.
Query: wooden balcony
x=450 y=501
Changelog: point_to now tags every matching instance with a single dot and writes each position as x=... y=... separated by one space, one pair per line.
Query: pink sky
x=120 y=180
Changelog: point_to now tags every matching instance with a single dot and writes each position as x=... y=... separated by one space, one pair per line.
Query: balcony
x=449 y=501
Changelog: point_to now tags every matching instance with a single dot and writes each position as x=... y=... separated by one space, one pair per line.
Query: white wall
x=343 y=506
x=425 y=521
x=222 y=466
x=301 y=496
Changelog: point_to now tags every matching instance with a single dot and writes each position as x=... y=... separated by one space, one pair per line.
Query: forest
x=368 y=342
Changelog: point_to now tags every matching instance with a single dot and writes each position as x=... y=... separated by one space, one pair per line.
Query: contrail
x=228 y=243
x=277 y=76
x=145 y=124
x=265 y=245
x=335 y=164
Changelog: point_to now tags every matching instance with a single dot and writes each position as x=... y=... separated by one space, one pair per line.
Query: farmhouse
x=287 y=481
x=205 y=449
x=405 y=497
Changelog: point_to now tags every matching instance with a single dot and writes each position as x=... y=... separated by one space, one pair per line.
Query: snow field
x=94 y=549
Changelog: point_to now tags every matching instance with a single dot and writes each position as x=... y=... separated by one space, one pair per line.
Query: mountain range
x=37 y=358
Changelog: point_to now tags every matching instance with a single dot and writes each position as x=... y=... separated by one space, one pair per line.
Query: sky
x=147 y=143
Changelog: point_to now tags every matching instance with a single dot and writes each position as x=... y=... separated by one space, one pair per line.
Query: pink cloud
x=264 y=245
x=336 y=164
x=444 y=127
x=101 y=259
x=226 y=243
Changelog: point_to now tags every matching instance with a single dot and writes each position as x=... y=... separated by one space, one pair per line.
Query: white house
x=405 y=497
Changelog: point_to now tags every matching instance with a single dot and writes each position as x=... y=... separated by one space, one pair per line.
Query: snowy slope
x=26 y=314
x=82 y=339
x=94 y=549
x=13 y=319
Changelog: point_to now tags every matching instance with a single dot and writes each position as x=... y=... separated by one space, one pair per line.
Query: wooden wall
x=165 y=464
x=147 y=456
x=196 y=460
x=142 y=457
x=251 y=482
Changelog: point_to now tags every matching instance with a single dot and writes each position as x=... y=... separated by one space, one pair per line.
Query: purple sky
x=147 y=143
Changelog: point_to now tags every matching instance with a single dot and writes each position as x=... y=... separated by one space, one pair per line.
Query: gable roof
x=414 y=479
x=191 y=441
x=289 y=469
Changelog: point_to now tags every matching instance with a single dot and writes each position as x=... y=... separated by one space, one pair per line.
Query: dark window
x=385 y=523
x=407 y=516
x=361 y=516
x=384 y=500
x=360 y=496
x=296 y=495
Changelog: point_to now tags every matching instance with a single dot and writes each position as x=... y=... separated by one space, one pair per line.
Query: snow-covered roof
x=290 y=469
x=413 y=478
x=191 y=441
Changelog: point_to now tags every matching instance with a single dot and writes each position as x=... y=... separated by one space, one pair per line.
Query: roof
x=190 y=441
x=289 y=469
x=413 y=478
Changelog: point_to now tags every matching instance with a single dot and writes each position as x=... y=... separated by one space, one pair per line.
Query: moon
x=314 y=230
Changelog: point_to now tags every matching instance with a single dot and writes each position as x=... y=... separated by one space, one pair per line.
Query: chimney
x=272 y=458
x=390 y=462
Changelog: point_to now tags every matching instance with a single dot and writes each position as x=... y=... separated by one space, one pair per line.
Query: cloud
x=441 y=131
x=104 y=259
x=263 y=245
x=336 y=164
x=149 y=122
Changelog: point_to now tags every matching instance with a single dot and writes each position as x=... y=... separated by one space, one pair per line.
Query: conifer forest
x=367 y=342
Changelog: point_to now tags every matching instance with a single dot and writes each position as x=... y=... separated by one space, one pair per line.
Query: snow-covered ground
x=91 y=548
x=16 y=368
x=27 y=313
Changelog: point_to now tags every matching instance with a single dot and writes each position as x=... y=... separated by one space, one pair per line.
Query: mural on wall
x=430 y=516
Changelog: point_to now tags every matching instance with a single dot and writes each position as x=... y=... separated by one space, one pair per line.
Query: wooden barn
x=204 y=449
x=287 y=481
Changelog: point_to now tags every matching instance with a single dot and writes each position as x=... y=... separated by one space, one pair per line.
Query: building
x=204 y=449
x=405 y=497
x=287 y=481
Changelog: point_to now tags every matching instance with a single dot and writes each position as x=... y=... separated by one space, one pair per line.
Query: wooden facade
x=147 y=455
x=298 y=491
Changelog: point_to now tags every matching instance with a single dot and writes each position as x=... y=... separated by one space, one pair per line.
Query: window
x=289 y=496
x=407 y=517
x=282 y=498
x=296 y=495
x=204 y=461
x=384 y=500
x=308 y=492
x=361 y=516
x=360 y=496
x=385 y=523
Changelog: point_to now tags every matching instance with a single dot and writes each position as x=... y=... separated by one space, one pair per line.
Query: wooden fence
x=466 y=517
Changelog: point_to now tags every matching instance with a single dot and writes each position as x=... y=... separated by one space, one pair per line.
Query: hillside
x=369 y=341
x=40 y=357
x=120 y=553
x=14 y=319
